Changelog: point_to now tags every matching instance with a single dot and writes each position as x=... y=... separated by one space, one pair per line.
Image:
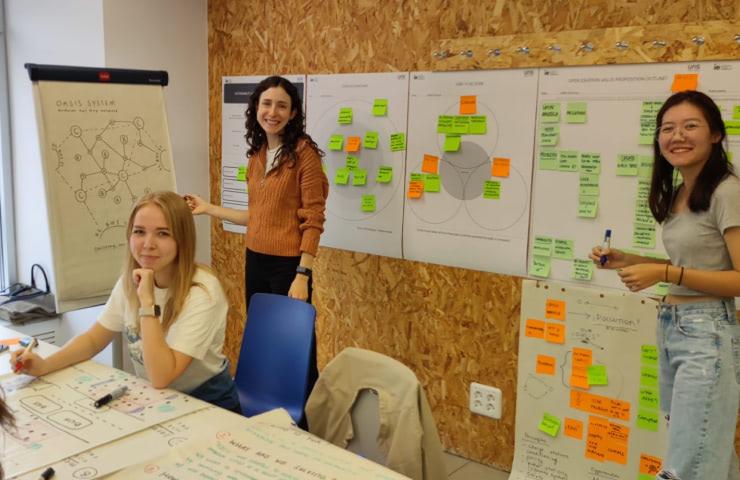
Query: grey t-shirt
x=695 y=240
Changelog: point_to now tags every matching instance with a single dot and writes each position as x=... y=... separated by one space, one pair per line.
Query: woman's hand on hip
x=299 y=288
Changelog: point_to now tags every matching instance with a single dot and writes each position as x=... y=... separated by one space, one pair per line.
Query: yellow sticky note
x=468 y=105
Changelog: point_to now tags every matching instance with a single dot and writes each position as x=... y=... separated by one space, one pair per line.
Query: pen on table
x=48 y=473
x=27 y=350
x=105 y=399
x=605 y=245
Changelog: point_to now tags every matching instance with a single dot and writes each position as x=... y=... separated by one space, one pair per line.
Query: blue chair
x=275 y=357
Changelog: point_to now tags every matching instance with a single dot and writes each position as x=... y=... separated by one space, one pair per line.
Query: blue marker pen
x=605 y=245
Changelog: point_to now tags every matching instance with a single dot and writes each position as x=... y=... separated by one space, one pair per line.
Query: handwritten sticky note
x=548 y=159
x=545 y=365
x=555 y=309
x=431 y=182
x=684 y=81
x=452 y=143
x=649 y=398
x=341 y=176
x=588 y=184
x=398 y=142
x=416 y=177
x=590 y=162
x=579 y=378
x=582 y=269
x=568 y=161
x=336 y=142
x=575 y=112
x=582 y=357
x=444 y=123
x=345 y=116
x=562 y=249
x=500 y=167
x=550 y=424
x=430 y=164
x=650 y=465
x=627 y=164
x=732 y=127
x=736 y=112
x=368 y=203
x=645 y=166
x=534 y=328
x=649 y=354
x=491 y=190
x=597 y=375
x=573 y=428
x=385 y=174
x=380 y=107
x=478 y=125
x=371 y=140
x=359 y=177
x=241 y=173
x=550 y=113
x=416 y=189
x=643 y=236
x=351 y=162
x=460 y=124
x=648 y=376
x=549 y=135
x=648 y=420
x=468 y=105
x=555 y=333
x=540 y=266
x=587 y=206
x=542 y=246
x=353 y=144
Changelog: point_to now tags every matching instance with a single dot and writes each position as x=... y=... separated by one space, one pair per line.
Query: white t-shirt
x=197 y=332
x=270 y=159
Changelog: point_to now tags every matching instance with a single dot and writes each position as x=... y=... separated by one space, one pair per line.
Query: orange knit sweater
x=286 y=207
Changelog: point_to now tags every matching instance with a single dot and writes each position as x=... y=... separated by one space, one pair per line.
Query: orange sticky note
x=579 y=377
x=619 y=433
x=534 y=328
x=685 y=81
x=650 y=465
x=500 y=167
x=582 y=357
x=10 y=341
x=545 y=365
x=555 y=309
x=430 y=164
x=573 y=428
x=616 y=452
x=352 y=144
x=555 y=333
x=468 y=105
x=416 y=189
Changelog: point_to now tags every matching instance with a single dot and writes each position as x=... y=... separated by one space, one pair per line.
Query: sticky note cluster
x=649 y=403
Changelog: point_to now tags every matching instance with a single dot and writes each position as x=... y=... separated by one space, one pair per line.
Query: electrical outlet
x=485 y=400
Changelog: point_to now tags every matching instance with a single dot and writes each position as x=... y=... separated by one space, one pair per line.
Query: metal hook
x=494 y=52
x=586 y=47
x=554 y=47
x=440 y=54
x=698 y=40
x=659 y=43
x=622 y=45
x=737 y=38
x=466 y=53
x=523 y=50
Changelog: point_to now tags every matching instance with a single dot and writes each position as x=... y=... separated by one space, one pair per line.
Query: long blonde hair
x=180 y=222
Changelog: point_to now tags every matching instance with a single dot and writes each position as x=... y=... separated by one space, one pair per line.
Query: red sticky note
x=500 y=167
x=468 y=105
x=430 y=164
x=685 y=81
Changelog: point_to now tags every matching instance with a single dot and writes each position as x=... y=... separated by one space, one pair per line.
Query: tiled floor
x=459 y=468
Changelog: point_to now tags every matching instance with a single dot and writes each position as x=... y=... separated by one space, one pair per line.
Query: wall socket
x=485 y=400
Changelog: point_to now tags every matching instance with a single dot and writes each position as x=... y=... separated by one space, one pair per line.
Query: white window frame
x=7 y=219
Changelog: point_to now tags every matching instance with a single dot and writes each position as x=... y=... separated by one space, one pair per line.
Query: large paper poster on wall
x=587 y=393
x=105 y=143
x=468 y=169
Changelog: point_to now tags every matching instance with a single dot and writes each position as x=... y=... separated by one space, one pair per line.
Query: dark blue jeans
x=219 y=390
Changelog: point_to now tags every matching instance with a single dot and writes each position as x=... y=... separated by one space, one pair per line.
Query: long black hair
x=294 y=130
x=712 y=173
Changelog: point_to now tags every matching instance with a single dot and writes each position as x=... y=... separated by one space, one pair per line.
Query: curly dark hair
x=712 y=173
x=7 y=421
x=294 y=131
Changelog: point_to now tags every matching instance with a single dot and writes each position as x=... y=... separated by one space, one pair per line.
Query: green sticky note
x=417 y=177
x=648 y=420
x=542 y=246
x=478 y=125
x=587 y=206
x=590 y=162
x=380 y=107
x=444 y=124
x=359 y=177
x=736 y=112
x=336 y=142
x=645 y=476
x=627 y=164
x=661 y=289
x=643 y=236
x=562 y=249
x=351 y=162
x=549 y=135
x=241 y=173
x=345 y=116
x=460 y=124
x=370 y=141
x=550 y=424
x=341 y=176
x=398 y=142
x=588 y=184
x=650 y=108
x=597 y=373
x=539 y=266
x=492 y=189
x=582 y=269
x=645 y=166
x=732 y=127
x=575 y=112
x=648 y=376
x=550 y=113
x=643 y=215
x=368 y=203
x=452 y=143
x=548 y=159
x=431 y=182
x=568 y=161
x=385 y=174
x=643 y=189
x=649 y=398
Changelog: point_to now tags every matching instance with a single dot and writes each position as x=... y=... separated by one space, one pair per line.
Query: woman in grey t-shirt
x=698 y=332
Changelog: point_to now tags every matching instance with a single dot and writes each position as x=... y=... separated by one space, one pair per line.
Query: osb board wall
x=451 y=326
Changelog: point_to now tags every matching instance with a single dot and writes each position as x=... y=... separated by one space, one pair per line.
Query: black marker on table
x=105 y=399
x=48 y=473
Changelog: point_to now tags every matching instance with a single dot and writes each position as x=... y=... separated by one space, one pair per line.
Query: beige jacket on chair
x=408 y=434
